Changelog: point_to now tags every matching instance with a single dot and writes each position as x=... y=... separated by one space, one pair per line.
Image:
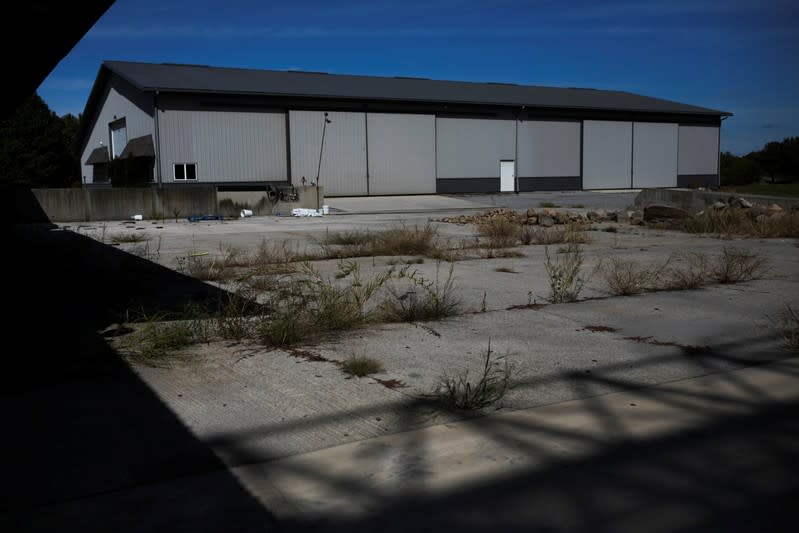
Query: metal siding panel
x=118 y=102
x=343 y=163
x=240 y=146
x=654 y=155
x=226 y=146
x=607 y=154
x=473 y=148
x=402 y=157
x=176 y=142
x=699 y=150
x=549 y=149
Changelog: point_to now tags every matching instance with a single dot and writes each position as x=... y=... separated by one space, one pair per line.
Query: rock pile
x=754 y=211
x=531 y=217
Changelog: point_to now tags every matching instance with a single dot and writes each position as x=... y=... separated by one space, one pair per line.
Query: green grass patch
x=125 y=238
x=361 y=366
x=765 y=189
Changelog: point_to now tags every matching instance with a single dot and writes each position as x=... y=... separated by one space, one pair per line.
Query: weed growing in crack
x=488 y=386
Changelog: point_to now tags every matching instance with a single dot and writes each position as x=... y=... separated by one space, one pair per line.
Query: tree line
x=777 y=162
x=37 y=147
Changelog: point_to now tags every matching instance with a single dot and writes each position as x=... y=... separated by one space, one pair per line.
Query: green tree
x=738 y=170
x=36 y=147
x=780 y=160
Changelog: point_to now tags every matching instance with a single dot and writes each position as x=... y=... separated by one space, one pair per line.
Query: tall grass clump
x=694 y=273
x=307 y=303
x=741 y=223
x=204 y=267
x=565 y=281
x=424 y=299
x=569 y=234
x=735 y=265
x=624 y=277
x=361 y=366
x=395 y=241
x=499 y=232
x=125 y=238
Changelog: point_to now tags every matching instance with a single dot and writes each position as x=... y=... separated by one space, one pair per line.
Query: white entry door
x=507 y=176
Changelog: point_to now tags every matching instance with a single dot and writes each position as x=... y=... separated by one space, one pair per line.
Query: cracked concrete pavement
x=320 y=450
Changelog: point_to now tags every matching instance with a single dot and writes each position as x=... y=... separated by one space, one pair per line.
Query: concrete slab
x=694 y=454
x=350 y=482
x=249 y=407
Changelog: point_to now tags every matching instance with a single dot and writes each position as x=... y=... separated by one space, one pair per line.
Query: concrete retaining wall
x=695 y=201
x=83 y=205
x=232 y=202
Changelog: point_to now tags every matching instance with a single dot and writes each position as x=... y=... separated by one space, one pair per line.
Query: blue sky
x=735 y=55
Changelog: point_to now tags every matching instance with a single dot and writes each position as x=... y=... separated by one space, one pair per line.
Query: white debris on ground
x=302 y=212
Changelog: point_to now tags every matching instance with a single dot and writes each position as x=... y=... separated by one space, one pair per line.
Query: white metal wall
x=654 y=155
x=473 y=148
x=699 y=150
x=607 y=154
x=343 y=169
x=402 y=155
x=230 y=146
x=548 y=149
x=119 y=101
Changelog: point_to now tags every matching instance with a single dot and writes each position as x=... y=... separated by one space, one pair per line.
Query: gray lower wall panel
x=548 y=148
x=560 y=183
x=654 y=155
x=698 y=150
x=456 y=185
x=607 y=154
x=473 y=148
x=402 y=155
x=698 y=180
x=343 y=162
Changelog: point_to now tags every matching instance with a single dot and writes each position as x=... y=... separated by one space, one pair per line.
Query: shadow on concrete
x=78 y=422
x=735 y=472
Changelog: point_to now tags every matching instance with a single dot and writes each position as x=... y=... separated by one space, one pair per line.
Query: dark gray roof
x=139 y=147
x=98 y=155
x=200 y=79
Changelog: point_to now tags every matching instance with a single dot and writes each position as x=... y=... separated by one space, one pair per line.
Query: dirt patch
x=601 y=329
x=525 y=306
x=309 y=356
x=686 y=348
x=391 y=383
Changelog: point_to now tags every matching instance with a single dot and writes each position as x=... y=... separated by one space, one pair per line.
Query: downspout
x=516 y=152
x=157 y=141
x=718 y=165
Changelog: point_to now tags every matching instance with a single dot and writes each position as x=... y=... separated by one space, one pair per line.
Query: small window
x=185 y=171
